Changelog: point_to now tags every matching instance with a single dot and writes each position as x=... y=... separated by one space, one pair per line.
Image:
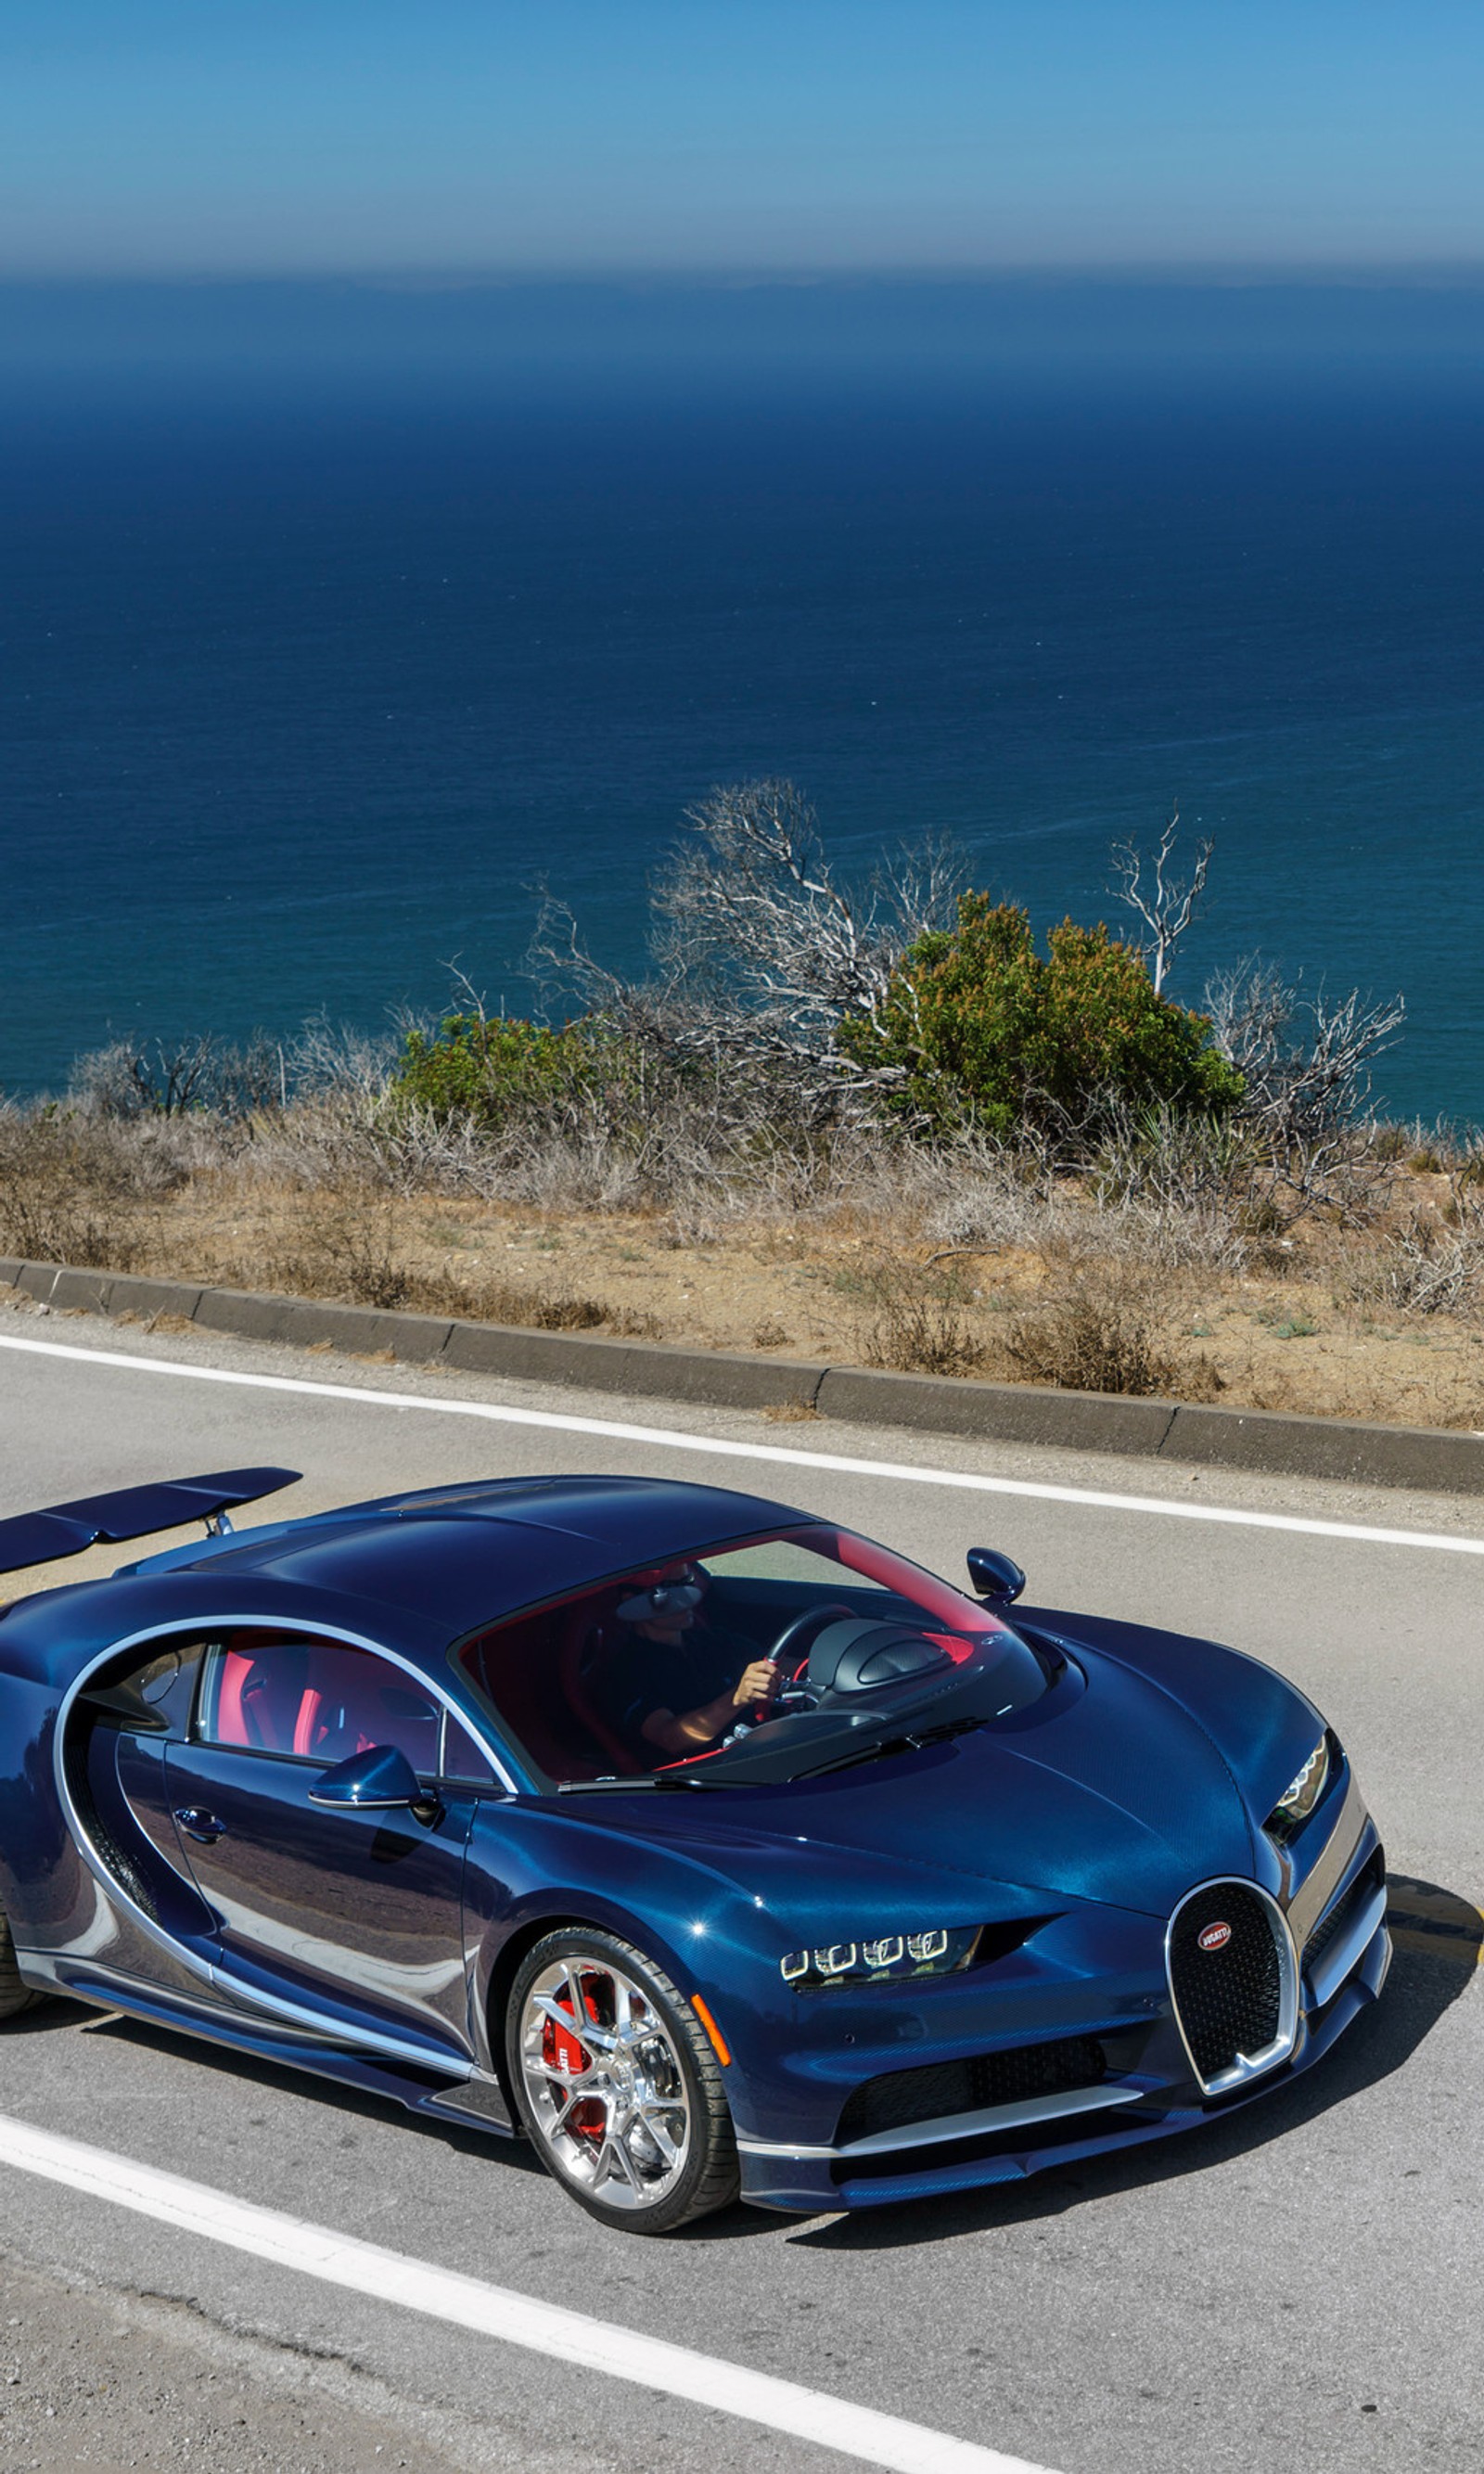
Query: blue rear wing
x=132 y=1511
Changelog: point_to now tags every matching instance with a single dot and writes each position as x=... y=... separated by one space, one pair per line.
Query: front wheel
x=617 y=2084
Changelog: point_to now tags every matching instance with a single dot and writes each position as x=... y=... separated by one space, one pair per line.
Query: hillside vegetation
x=882 y=1124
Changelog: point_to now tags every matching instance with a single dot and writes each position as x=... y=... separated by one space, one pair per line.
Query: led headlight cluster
x=1298 y=1799
x=894 y=1956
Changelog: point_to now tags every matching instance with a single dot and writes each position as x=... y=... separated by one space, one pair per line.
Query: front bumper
x=1335 y=1915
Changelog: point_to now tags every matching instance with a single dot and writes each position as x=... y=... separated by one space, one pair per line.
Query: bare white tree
x=1305 y=1060
x=751 y=905
x=1166 y=904
x=761 y=950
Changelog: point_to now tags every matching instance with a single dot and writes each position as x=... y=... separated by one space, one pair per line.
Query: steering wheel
x=794 y=1696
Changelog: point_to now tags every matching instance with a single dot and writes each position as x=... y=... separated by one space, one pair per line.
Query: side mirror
x=380 y=1780
x=995 y=1575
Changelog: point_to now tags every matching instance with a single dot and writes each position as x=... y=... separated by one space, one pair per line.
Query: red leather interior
x=256 y=1702
x=307 y=1720
x=322 y=1700
x=230 y=1719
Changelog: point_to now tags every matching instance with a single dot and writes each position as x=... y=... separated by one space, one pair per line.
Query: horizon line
x=1432 y=274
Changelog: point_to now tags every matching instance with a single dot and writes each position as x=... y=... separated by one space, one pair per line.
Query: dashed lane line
x=496 y=2311
x=777 y=1455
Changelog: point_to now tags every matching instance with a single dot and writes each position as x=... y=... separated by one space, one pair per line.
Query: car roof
x=459 y=1556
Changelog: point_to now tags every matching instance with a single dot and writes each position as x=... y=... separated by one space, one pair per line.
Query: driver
x=674 y=1683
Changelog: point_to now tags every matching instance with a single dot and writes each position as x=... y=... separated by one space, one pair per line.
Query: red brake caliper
x=562 y=2050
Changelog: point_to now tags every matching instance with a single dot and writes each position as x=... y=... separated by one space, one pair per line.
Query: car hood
x=1114 y=1794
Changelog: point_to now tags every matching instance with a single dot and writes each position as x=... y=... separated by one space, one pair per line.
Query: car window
x=565 y=1679
x=462 y=1758
x=319 y=1700
x=783 y=1559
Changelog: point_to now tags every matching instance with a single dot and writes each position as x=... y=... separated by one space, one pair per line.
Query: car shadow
x=1438 y=1942
x=250 y=2070
x=52 y=2013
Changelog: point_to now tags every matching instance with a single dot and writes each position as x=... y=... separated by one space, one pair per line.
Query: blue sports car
x=719 y=1851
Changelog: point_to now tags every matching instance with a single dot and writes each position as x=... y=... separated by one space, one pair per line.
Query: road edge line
x=497 y=2311
x=728 y=1447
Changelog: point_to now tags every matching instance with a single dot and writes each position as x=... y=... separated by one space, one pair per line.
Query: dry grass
x=913 y=1321
x=1095 y=1332
x=357 y=1248
x=959 y=1262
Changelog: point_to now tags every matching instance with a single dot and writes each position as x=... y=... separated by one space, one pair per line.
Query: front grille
x=1228 y=1998
x=900 y=2097
x=1371 y=1878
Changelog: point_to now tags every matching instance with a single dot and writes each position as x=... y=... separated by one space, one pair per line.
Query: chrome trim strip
x=991 y=2117
x=1324 y=1876
x=1380 y=1985
x=337 y=2031
x=782 y=2147
x=1246 y=2065
x=1346 y=1951
x=946 y=2126
x=160 y=2006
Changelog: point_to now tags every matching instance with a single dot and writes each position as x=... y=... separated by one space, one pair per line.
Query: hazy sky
x=298 y=137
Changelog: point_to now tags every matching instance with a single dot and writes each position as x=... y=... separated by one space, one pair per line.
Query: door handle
x=199 y=1824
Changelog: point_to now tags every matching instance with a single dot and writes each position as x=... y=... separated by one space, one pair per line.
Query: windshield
x=771 y=1657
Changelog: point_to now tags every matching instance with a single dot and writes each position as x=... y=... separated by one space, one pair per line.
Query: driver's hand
x=758 y=1683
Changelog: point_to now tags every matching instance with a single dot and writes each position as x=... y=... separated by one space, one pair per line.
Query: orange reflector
x=718 y=2041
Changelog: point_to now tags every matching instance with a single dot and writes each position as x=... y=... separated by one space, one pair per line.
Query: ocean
x=314 y=664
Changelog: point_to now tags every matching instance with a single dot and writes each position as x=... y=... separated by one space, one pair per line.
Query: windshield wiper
x=884 y=1744
x=635 y=1785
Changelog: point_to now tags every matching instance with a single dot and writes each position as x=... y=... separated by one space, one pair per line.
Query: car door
x=355 y=1915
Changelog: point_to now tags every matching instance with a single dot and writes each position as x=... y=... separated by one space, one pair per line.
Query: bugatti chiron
x=984 y=1889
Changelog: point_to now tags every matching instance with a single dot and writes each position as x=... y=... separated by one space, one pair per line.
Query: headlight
x=1298 y=1800
x=875 y=1962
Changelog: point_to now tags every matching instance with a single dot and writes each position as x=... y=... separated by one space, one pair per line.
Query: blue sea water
x=310 y=671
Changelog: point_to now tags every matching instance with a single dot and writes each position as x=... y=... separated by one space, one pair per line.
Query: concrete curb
x=1418 y=1457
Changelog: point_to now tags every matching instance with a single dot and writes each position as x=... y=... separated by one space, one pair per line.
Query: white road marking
x=496 y=2311
x=671 y=1438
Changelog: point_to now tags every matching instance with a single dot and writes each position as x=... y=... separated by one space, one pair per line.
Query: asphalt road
x=1296 y=2283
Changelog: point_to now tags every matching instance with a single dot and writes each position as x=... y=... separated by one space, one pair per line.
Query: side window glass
x=462 y=1758
x=321 y=1700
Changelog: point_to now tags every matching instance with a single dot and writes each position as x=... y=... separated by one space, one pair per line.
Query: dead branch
x=1166 y=906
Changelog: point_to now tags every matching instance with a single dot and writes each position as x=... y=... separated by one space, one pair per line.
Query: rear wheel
x=15 y=1995
x=617 y=2084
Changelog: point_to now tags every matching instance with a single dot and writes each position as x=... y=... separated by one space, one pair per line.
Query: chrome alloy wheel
x=604 y=2085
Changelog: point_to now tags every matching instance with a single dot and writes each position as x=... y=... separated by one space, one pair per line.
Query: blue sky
x=165 y=137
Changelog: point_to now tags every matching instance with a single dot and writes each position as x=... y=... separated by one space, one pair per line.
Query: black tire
x=15 y=1995
x=616 y=2149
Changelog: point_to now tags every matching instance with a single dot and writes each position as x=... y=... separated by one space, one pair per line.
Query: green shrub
x=490 y=1068
x=985 y=1031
